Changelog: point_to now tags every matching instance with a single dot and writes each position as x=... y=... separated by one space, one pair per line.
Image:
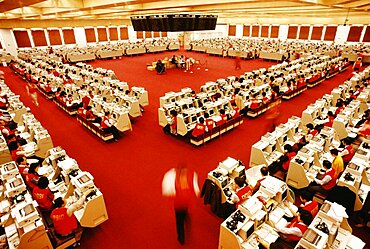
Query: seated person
x=264 y=173
x=88 y=113
x=199 y=128
x=331 y=118
x=295 y=229
x=223 y=118
x=290 y=154
x=160 y=67
x=348 y=152
x=327 y=182
x=241 y=191
x=308 y=203
x=210 y=123
x=340 y=107
x=42 y=194
x=107 y=125
x=64 y=220
x=310 y=133
x=235 y=111
x=31 y=177
x=22 y=164
x=174 y=60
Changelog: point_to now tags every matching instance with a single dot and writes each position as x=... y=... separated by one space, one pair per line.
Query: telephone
x=322 y=227
x=348 y=177
x=227 y=192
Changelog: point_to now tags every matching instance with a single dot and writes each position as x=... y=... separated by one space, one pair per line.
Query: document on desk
x=271 y=237
x=355 y=243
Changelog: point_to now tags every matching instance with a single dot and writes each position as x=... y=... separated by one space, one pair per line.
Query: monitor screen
x=284 y=195
x=27 y=210
x=353 y=166
x=296 y=129
x=273 y=148
x=250 y=231
x=211 y=112
x=173 y=100
x=224 y=183
x=285 y=138
x=16 y=183
x=9 y=167
x=84 y=179
x=304 y=150
x=193 y=119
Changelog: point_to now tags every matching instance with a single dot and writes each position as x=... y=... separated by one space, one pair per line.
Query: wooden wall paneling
x=232 y=30
x=102 y=34
x=22 y=38
x=123 y=33
x=274 y=32
x=265 y=31
x=304 y=32
x=255 y=30
x=139 y=34
x=367 y=35
x=292 y=32
x=164 y=34
x=39 y=37
x=69 y=36
x=90 y=34
x=54 y=37
x=316 y=33
x=246 y=30
x=354 y=34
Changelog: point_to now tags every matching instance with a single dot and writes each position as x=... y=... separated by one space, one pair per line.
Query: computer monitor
x=26 y=210
x=16 y=183
x=84 y=179
x=172 y=100
x=284 y=194
x=193 y=118
x=10 y=166
x=285 y=138
x=224 y=182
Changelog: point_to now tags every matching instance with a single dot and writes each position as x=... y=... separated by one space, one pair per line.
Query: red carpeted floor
x=129 y=172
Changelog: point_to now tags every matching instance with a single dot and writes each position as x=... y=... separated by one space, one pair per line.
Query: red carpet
x=129 y=172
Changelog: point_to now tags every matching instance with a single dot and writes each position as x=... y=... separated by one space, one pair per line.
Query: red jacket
x=287 y=163
x=349 y=156
x=29 y=178
x=223 y=120
x=198 y=130
x=330 y=122
x=243 y=193
x=333 y=180
x=210 y=123
x=44 y=197
x=63 y=224
x=312 y=207
x=301 y=227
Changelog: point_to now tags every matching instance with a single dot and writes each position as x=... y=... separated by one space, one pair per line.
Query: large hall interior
x=229 y=124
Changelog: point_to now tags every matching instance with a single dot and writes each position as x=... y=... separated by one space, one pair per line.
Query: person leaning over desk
x=328 y=181
x=43 y=195
x=64 y=220
x=242 y=191
x=107 y=125
x=295 y=229
x=264 y=173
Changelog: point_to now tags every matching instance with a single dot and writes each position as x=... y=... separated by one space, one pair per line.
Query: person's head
x=21 y=161
x=43 y=182
x=339 y=104
x=305 y=196
x=11 y=138
x=264 y=171
x=326 y=164
x=206 y=115
x=89 y=107
x=173 y=113
x=13 y=145
x=240 y=181
x=309 y=126
x=222 y=111
x=330 y=114
x=288 y=148
x=334 y=152
x=347 y=141
x=33 y=168
x=106 y=113
x=59 y=202
x=306 y=217
x=201 y=120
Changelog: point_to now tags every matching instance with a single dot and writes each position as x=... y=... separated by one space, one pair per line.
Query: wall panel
x=164 y=34
x=330 y=33
x=246 y=30
x=22 y=38
x=124 y=33
x=304 y=32
x=90 y=35
x=274 y=32
x=292 y=32
x=367 y=35
x=265 y=31
x=102 y=34
x=39 y=38
x=139 y=34
x=255 y=31
x=355 y=33
x=232 y=30
x=316 y=33
x=54 y=37
x=69 y=36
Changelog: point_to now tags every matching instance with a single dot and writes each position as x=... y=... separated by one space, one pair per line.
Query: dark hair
x=43 y=182
x=306 y=217
x=347 y=141
x=201 y=120
x=264 y=171
x=334 y=152
x=58 y=202
x=19 y=160
x=13 y=145
x=330 y=114
x=206 y=115
x=309 y=126
x=326 y=164
x=240 y=181
x=33 y=167
x=305 y=195
x=288 y=148
x=222 y=111
x=173 y=113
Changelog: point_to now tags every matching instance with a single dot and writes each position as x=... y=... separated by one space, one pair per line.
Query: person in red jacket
x=308 y=203
x=358 y=64
x=31 y=177
x=242 y=191
x=331 y=118
x=290 y=154
x=328 y=181
x=107 y=125
x=42 y=194
x=210 y=123
x=295 y=229
x=64 y=220
x=199 y=128
x=348 y=152
x=223 y=118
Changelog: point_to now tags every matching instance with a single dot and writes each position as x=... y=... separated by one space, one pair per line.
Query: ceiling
x=228 y=11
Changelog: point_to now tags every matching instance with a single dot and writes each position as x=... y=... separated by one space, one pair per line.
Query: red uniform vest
x=330 y=122
x=338 y=110
x=223 y=120
x=254 y=104
x=311 y=207
x=44 y=197
x=199 y=129
x=301 y=227
x=287 y=163
x=349 y=156
x=184 y=194
x=29 y=177
x=103 y=125
x=243 y=193
x=63 y=224
x=333 y=180
x=210 y=123
x=357 y=65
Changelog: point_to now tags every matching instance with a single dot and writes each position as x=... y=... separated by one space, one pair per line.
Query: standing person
x=32 y=91
x=238 y=62
x=337 y=163
x=181 y=184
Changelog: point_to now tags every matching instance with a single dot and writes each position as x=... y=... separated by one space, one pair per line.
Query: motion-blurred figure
x=181 y=184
